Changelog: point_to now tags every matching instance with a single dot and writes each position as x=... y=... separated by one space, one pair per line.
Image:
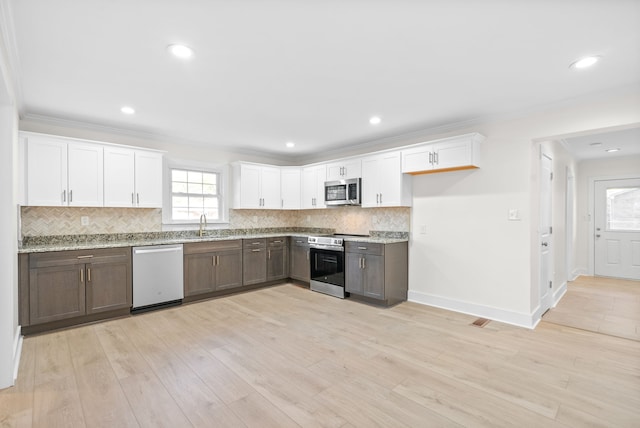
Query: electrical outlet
x=84 y=220
x=514 y=214
x=423 y=229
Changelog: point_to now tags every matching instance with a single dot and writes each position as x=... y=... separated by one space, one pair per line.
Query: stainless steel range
x=327 y=265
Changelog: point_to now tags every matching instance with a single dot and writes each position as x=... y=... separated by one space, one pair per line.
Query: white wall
x=9 y=332
x=472 y=258
x=587 y=170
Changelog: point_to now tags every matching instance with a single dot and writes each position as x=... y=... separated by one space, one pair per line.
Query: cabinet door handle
x=70 y=196
x=138 y=198
x=431 y=157
x=133 y=201
x=307 y=255
x=88 y=274
x=218 y=260
x=269 y=254
x=363 y=265
x=436 y=158
x=82 y=275
x=64 y=196
x=377 y=198
x=380 y=197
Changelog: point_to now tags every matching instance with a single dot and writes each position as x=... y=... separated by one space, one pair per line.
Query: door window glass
x=623 y=209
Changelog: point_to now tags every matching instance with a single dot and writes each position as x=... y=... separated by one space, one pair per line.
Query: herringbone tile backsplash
x=45 y=221
x=49 y=221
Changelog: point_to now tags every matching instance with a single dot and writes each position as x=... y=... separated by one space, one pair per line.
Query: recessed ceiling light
x=290 y=144
x=181 y=51
x=127 y=110
x=375 y=120
x=612 y=150
x=596 y=144
x=585 y=62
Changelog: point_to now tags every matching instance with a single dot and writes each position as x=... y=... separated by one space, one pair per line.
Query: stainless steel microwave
x=343 y=192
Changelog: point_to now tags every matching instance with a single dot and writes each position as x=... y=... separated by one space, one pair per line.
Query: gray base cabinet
x=277 y=258
x=212 y=266
x=377 y=271
x=299 y=259
x=254 y=270
x=70 y=284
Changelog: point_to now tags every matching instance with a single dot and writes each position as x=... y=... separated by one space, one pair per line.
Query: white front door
x=617 y=228
x=544 y=232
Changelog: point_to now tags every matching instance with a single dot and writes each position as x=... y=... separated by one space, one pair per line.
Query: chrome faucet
x=202 y=216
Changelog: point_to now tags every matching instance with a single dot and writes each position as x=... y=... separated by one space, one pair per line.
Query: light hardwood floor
x=287 y=357
x=603 y=305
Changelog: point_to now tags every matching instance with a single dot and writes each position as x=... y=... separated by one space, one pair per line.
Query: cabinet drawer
x=254 y=243
x=279 y=241
x=365 y=248
x=299 y=241
x=212 y=246
x=62 y=258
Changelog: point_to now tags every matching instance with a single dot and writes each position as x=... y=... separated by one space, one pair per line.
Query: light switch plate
x=84 y=220
x=514 y=214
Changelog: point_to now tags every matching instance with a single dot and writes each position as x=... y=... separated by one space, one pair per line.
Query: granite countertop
x=89 y=242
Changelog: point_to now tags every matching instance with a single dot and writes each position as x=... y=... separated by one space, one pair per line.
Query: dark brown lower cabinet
x=212 y=266
x=377 y=271
x=299 y=267
x=277 y=258
x=254 y=261
x=69 y=284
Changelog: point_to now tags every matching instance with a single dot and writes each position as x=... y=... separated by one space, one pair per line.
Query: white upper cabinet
x=68 y=172
x=256 y=186
x=383 y=184
x=341 y=170
x=290 y=182
x=313 y=178
x=450 y=154
x=119 y=177
x=63 y=173
x=148 y=179
x=132 y=178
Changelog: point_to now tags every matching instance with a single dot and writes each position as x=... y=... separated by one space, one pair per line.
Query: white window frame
x=223 y=186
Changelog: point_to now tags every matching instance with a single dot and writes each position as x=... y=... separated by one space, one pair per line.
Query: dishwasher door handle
x=156 y=250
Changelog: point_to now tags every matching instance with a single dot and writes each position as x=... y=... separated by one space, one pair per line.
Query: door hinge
x=551 y=178
x=550 y=230
x=550 y=284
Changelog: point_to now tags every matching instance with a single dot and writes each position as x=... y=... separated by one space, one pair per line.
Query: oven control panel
x=325 y=240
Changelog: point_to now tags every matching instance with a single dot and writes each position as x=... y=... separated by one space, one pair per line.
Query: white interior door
x=617 y=228
x=544 y=231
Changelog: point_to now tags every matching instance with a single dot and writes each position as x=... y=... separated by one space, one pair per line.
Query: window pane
x=194 y=193
x=212 y=214
x=623 y=208
x=195 y=202
x=195 y=188
x=194 y=177
x=180 y=201
x=178 y=175
x=180 y=214
x=210 y=202
x=179 y=187
x=209 y=189
x=209 y=178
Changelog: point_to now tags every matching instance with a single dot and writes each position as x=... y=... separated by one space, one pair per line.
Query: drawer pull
x=362 y=248
x=85 y=257
x=257 y=250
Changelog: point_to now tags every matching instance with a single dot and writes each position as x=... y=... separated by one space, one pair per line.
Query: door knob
x=597 y=236
x=544 y=244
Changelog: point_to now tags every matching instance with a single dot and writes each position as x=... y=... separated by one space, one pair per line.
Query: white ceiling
x=270 y=71
x=595 y=146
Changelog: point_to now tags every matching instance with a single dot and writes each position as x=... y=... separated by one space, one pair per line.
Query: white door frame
x=569 y=223
x=545 y=292
x=591 y=207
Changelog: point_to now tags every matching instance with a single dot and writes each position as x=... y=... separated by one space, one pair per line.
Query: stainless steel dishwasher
x=157 y=276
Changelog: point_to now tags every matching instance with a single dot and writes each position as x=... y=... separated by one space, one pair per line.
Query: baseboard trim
x=559 y=294
x=578 y=272
x=496 y=314
x=17 y=351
